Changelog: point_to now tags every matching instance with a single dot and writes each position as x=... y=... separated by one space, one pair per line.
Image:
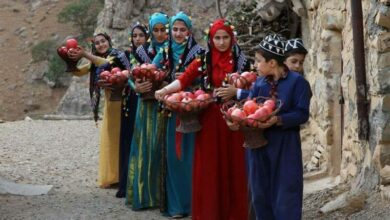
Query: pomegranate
x=249 y=76
x=71 y=43
x=270 y=103
x=238 y=115
x=250 y=107
x=261 y=114
x=105 y=75
x=199 y=92
x=115 y=70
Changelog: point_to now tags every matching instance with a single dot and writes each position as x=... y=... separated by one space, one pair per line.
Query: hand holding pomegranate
x=161 y=93
x=76 y=53
x=271 y=121
x=226 y=93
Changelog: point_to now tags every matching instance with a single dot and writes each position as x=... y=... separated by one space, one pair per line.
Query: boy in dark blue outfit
x=275 y=170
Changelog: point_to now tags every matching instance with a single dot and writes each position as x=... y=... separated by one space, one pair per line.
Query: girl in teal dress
x=143 y=185
x=181 y=51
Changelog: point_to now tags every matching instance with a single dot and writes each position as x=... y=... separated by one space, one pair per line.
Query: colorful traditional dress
x=275 y=170
x=111 y=123
x=179 y=147
x=144 y=175
x=219 y=172
x=109 y=129
x=129 y=108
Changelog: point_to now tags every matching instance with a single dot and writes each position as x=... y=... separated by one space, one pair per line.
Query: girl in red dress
x=219 y=174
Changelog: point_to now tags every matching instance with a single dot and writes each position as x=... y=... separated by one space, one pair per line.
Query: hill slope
x=24 y=23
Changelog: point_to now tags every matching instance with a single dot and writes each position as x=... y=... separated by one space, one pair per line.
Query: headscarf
x=154 y=19
x=141 y=27
x=221 y=62
x=108 y=38
x=178 y=49
x=134 y=57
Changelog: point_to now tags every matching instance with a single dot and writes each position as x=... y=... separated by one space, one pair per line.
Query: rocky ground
x=65 y=154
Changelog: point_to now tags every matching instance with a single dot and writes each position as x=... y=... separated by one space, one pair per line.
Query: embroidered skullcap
x=295 y=46
x=274 y=44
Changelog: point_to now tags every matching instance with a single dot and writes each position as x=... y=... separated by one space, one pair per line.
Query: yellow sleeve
x=85 y=68
x=100 y=61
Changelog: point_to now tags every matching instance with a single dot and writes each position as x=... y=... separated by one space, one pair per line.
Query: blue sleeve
x=299 y=113
x=243 y=94
x=254 y=91
x=157 y=59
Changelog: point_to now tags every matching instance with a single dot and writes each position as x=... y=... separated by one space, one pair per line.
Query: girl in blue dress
x=138 y=37
x=181 y=51
x=144 y=174
x=275 y=171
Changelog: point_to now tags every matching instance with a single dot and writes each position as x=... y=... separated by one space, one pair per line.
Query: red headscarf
x=222 y=62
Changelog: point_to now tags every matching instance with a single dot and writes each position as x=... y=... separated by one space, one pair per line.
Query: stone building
x=348 y=135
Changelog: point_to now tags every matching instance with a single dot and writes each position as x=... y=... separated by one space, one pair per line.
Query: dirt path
x=65 y=154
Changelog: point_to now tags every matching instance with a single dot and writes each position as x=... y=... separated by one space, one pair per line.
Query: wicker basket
x=188 y=123
x=253 y=136
x=188 y=114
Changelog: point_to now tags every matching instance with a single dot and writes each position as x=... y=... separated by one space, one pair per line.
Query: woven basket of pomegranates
x=188 y=105
x=116 y=79
x=241 y=81
x=149 y=72
x=247 y=116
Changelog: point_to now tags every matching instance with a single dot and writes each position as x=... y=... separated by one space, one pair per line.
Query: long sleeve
x=242 y=94
x=190 y=73
x=84 y=69
x=299 y=114
x=255 y=91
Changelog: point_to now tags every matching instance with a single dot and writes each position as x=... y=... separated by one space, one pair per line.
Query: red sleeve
x=191 y=72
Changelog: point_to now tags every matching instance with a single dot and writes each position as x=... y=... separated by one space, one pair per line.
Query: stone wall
x=327 y=31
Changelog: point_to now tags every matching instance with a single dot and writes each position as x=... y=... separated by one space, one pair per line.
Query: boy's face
x=295 y=62
x=263 y=67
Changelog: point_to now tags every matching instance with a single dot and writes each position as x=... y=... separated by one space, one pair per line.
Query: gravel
x=63 y=154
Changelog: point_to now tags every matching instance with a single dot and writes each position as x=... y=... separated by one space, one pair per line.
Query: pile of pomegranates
x=116 y=76
x=243 y=80
x=250 y=112
x=71 y=65
x=148 y=71
x=185 y=101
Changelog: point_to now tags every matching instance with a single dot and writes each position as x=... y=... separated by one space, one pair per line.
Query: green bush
x=83 y=14
x=43 y=50
x=56 y=69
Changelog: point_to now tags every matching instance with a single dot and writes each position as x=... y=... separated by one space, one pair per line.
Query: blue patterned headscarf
x=183 y=17
x=178 y=49
x=154 y=19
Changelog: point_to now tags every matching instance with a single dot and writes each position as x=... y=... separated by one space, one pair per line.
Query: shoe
x=120 y=194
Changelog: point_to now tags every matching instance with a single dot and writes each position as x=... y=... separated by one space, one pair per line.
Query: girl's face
x=179 y=31
x=262 y=66
x=222 y=40
x=138 y=37
x=159 y=33
x=101 y=44
x=295 y=62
